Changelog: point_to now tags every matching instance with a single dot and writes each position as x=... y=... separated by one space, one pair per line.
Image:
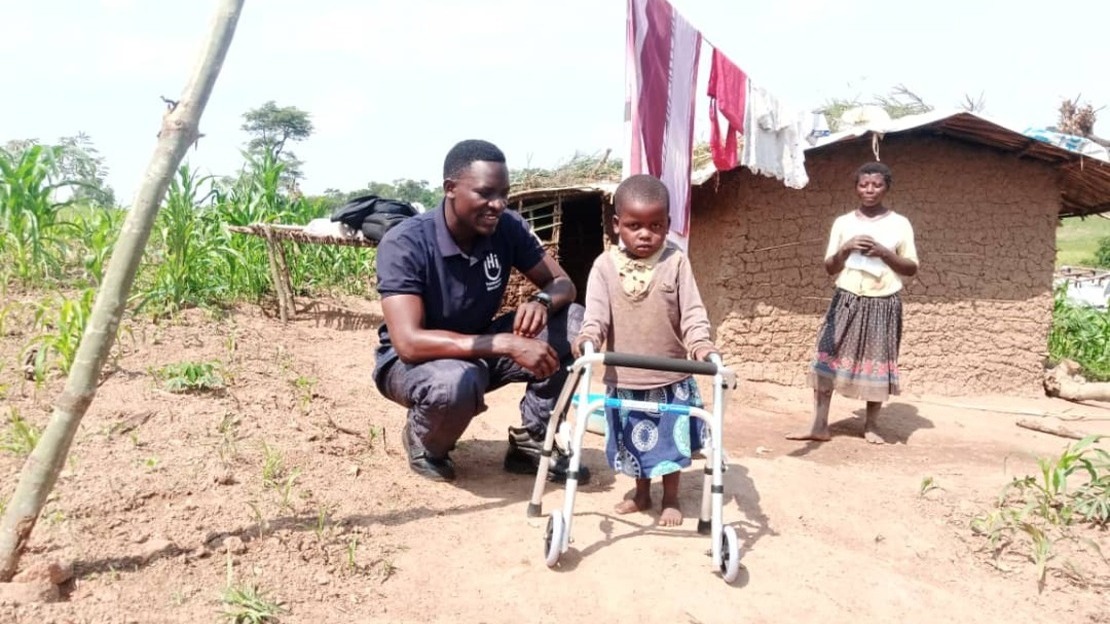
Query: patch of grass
x=247 y=603
x=388 y=569
x=372 y=437
x=55 y=517
x=259 y=518
x=352 y=554
x=229 y=437
x=928 y=484
x=182 y=377
x=323 y=523
x=20 y=436
x=60 y=323
x=1077 y=240
x=1040 y=510
x=273 y=466
x=285 y=489
x=304 y=386
x=385 y=565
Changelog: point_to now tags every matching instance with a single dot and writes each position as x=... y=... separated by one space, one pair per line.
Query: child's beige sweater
x=668 y=321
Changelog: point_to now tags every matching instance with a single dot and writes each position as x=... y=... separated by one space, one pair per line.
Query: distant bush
x=1102 y=254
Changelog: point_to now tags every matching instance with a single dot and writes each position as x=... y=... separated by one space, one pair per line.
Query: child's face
x=642 y=226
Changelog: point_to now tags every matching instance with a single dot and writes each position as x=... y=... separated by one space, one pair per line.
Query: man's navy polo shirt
x=461 y=292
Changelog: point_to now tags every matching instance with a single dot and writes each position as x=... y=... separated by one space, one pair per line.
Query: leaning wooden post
x=281 y=289
x=179 y=131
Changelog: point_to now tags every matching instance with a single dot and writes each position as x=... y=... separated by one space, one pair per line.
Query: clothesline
x=662 y=58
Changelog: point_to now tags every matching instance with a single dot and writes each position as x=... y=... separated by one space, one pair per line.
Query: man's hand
x=530 y=319
x=535 y=356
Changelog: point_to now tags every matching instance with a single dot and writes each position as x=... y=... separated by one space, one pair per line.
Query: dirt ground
x=164 y=497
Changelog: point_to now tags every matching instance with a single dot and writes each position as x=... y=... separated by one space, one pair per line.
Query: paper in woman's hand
x=867 y=264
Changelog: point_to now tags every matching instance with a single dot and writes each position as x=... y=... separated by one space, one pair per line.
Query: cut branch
x=1065 y=382
x=1056 y=430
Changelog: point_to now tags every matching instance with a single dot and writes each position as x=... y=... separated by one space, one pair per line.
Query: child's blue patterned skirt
x=644 y=445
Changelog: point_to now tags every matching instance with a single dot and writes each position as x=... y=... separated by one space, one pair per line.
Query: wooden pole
x=179 y=131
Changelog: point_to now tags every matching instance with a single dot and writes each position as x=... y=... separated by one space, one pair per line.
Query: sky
x=392 y=85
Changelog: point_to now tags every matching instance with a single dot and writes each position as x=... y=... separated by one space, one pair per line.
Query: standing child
x=641 y=299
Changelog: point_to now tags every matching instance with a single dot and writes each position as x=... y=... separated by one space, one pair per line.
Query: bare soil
x=164 y=497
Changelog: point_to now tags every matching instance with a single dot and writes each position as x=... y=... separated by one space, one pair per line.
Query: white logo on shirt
x=492 y=268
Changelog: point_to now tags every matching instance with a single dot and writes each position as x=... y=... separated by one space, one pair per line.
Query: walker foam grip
x=651 y=362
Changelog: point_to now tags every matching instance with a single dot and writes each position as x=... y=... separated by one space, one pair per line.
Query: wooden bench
x=276 y=235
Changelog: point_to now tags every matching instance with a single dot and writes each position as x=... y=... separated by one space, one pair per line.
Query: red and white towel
x=661 y=77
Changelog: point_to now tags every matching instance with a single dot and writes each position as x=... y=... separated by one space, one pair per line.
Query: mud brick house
x=984 y=200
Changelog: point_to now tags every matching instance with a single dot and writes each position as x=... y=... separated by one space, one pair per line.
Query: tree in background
x=271 y=127
x=973 y=105
x=77 y=167
x=405 y=189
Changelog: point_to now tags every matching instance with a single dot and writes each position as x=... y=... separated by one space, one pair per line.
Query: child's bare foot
x=815 y=435
x=634 y=504
x=671 y=515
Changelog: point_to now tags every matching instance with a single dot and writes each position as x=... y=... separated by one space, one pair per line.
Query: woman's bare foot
x=671 y=515
x=872 y=435
x=819 y=430
x=816 y=435
x=634 y=504
x=870 y=431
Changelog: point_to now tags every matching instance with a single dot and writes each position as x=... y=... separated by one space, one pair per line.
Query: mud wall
x=976 y=316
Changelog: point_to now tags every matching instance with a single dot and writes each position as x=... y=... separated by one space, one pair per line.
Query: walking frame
x=724 y=539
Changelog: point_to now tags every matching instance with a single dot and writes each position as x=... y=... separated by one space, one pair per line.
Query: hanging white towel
x=774 y=138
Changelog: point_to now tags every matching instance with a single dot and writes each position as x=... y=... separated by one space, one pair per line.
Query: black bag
x=373 y=215
x=376 y=225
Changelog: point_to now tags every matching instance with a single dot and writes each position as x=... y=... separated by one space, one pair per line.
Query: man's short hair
x=466 y=152
x=641 y=188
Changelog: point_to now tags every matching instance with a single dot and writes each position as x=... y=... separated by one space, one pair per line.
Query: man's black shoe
x=434 y=468
x=523 y=457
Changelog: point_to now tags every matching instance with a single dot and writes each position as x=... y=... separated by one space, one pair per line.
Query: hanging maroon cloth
x=663 y=51
x=728 y=90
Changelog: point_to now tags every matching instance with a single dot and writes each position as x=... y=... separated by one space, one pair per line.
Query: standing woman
x=870 y=251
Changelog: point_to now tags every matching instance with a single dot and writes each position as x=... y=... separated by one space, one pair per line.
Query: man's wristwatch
x=542 y=298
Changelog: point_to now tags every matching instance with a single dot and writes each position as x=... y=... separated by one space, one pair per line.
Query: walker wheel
x=730 y=554
x=553 y=538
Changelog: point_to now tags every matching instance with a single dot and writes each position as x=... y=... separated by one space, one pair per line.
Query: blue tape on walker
x=590 y=399
x=681 y=410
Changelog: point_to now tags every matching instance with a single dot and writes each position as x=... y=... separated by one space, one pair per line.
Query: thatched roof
x=580 y=170
x=528 y=196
